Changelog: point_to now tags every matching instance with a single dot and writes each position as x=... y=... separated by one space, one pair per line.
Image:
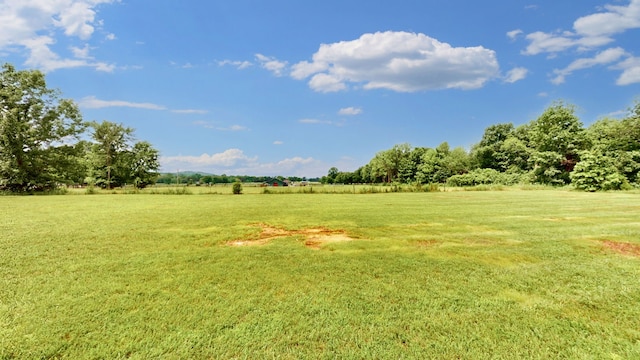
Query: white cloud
x=616 y=19
x=514 y=34
x=91 y=102
x=350 y=111
x=236 y=162
x=326 y=83
x=630 y=71
x=211 y=125
x=32 y=25
x=605 y=57
x=226 y=158
x=81 y=53
x=399 y=61
x=111 y=37
x=238 y=64
x=278 y=142
x=234 y=128
x=272 y=64
x=516 y=74
x=314 y=121
x=190 y=111
x=542 y=42
x=589 y=32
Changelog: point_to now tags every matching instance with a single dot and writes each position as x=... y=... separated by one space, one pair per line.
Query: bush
x=597 y=172
x=487 y=177
x=237 y=188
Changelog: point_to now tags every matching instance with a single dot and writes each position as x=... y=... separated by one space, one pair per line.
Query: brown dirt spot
x=426 y=243
x=623 y=248
x=314 y=237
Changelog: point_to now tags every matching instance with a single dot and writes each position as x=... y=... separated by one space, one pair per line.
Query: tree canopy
x=40 y=146
x=554 y=149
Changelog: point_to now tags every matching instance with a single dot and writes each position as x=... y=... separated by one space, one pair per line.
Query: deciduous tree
x=37 y=132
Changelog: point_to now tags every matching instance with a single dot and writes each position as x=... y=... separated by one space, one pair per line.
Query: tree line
x=44 y=142
x=554 y=149
x=195 y=178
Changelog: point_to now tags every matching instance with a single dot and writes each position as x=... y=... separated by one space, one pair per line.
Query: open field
x=494 y=274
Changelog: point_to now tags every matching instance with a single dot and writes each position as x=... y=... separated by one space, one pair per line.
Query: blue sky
x=286 y=87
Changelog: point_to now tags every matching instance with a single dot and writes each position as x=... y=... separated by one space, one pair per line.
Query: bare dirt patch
x=623 y=248
x=314 y=237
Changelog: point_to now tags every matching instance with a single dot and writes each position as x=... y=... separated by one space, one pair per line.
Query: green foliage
x=557 y=136
x=489 y=152
x=595 y=172
x=144 y=164
x=237 y=188
x=487 y=177
x=115 y=161
x=548 y=168
x=36 y=127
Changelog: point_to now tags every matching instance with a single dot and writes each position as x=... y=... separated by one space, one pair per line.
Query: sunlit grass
x=489 y=274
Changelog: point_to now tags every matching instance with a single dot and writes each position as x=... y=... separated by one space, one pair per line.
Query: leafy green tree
x=409 y=171
x=456 y=162
x=489 y=152
x=37 y=130
x=557 y=137
x=144 y=164
x=514 y=155
x=111 y=142
x=116 y=160
x=428 y=167
x=389 y=162
x=331 y=175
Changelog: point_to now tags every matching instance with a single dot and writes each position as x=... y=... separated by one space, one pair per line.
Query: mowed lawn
x=472 y=275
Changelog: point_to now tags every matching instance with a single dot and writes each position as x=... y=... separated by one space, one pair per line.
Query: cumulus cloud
x=516 y=74
x=616 y=19
x=398 y=61
x=272 y=64
x=605 y=57
x=514 y=34
x=350 y=111
x=630 y=71
x=32 y=25
x=589 y=32
x=541 y=42
x=226 y=158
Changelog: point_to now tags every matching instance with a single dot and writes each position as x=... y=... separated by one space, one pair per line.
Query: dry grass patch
x=314 y=237
x=622 y=247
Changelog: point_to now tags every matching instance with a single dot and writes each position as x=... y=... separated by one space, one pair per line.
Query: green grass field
x=446 y=275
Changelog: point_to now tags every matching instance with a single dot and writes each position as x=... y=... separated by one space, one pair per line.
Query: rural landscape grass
x=490 y=274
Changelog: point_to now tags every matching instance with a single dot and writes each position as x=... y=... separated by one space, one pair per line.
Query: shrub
x=596 y=172
x=237 y=188
x=487 y=177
